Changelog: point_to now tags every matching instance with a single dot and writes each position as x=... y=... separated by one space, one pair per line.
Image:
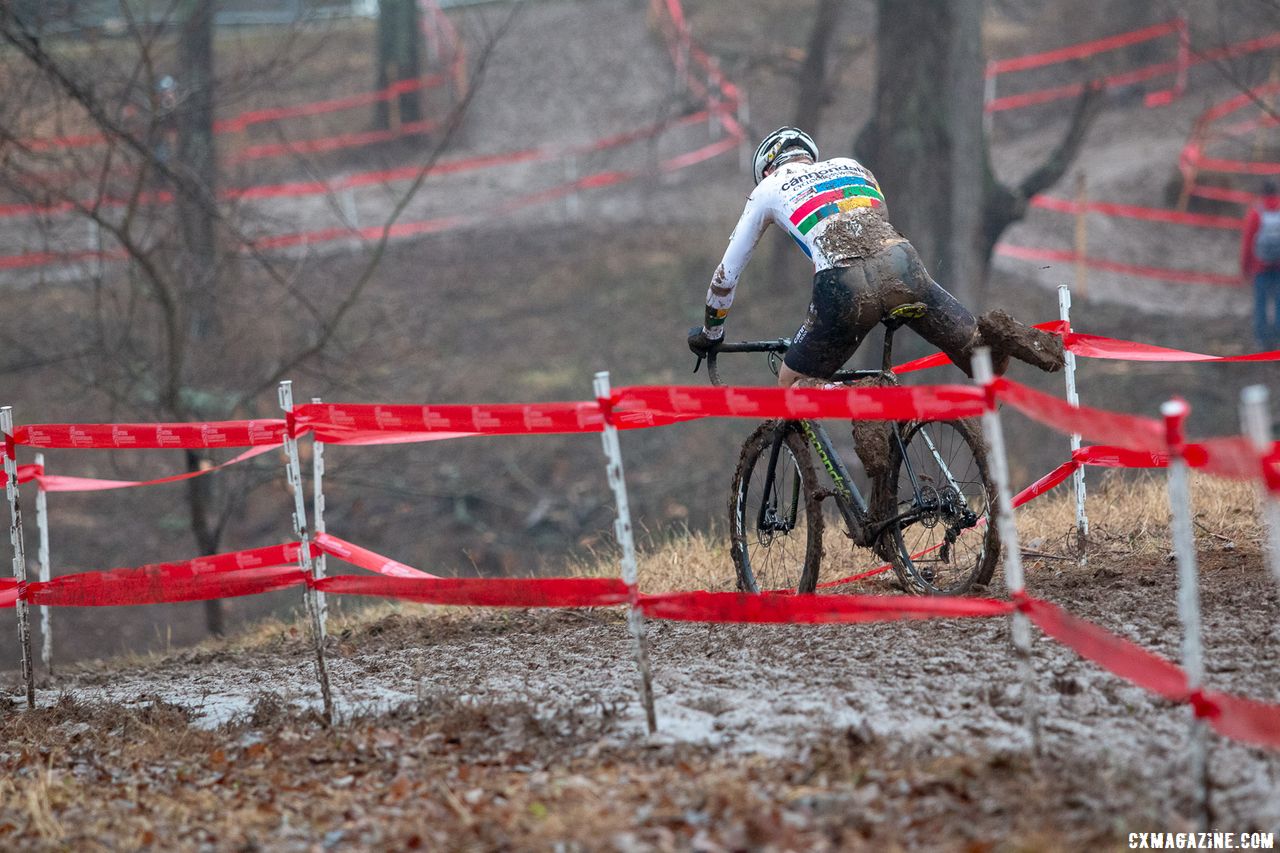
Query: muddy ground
x=521 y=730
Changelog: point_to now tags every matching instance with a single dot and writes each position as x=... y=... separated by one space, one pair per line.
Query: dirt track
x=910 y=702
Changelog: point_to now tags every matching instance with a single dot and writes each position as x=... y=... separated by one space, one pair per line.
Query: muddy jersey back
x=804 y=199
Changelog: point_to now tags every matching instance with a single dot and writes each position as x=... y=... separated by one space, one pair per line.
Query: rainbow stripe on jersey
x=834 y=196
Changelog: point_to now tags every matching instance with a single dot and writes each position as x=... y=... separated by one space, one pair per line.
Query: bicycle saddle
x=895 y=317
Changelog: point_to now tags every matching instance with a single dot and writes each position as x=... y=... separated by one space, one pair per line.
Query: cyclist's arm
x=755 y=219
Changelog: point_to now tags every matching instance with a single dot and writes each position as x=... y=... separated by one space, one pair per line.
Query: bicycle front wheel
x=775 y=520
x=947 y=541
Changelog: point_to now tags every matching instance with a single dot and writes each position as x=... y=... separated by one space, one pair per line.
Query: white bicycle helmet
x=780 y=146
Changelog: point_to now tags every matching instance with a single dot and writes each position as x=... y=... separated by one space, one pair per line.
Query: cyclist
x=864 y=269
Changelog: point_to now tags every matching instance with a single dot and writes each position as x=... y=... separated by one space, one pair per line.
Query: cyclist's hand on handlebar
x=701 y=345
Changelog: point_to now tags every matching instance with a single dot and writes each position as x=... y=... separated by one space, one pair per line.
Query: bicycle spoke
x=774 y=534
x=945 y=549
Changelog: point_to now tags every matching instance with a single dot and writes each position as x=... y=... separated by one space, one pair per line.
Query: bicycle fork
x=769 y=499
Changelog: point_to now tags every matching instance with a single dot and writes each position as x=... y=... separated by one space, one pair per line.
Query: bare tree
x=149 y=339
x=926 y=145
x=813 y=82
x=813 y=94
x=399 y=57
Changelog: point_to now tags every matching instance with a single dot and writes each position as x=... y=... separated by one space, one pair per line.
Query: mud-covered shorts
x=849 y=301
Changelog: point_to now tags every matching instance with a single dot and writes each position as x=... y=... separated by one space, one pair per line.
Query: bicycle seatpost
x=886 y=363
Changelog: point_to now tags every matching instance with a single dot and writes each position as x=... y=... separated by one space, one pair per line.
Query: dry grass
x=1129 y=515
x=1128 y=518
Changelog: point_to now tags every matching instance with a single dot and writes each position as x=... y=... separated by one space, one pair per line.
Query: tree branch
x=329 y=328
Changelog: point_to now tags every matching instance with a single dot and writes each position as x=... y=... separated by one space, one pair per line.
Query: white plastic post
x=349 y=210
x=19 y=552
x=1184 y=548
x=1020 y=627
x=293 y=472
x=42 y=557
x=1082 y=520
x=1255 y=414
x=317 y=506
x=988 y=95
x=622 y=529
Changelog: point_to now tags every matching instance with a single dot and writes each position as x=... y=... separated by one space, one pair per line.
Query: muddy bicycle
x=929 y=514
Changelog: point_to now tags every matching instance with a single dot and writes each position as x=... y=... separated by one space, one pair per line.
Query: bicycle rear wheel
x=775 y=522
x=952 y=543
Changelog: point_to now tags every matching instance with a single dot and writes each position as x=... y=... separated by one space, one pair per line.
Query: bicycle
x=930 y=515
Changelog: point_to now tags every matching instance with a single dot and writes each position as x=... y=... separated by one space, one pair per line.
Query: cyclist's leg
x=952 y=328
x=847 y=305
x=947 y=324
x=844 y=308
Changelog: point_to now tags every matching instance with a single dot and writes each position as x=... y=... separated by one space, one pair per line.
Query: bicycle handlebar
x=778 y=345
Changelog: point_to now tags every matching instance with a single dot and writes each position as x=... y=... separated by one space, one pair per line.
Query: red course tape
x=895 y=403
x=363 y=558
x=1116 y=654
x=245 y=572
x=1126 y=431
x=484 y=592
x=61 y=483
x=153 y=585
x=155 y=436
x=812 y=609
x=1231 y=716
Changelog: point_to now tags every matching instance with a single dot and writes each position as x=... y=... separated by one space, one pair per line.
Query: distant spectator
x=1260 y=258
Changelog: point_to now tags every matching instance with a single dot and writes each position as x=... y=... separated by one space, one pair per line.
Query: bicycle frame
x=849 y=500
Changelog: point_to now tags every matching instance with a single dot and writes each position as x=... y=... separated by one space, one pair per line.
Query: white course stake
x=1013 y=578
x=988 y=95
x=622 y=529
x=293 y=471
x=42 y=557
x=19 y=552
x=1255 y=414
x=1184 y=548
x=347 y=199
x=1082 y=520
x=317 y=506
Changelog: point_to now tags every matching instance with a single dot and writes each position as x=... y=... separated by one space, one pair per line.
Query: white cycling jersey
x=824 y=206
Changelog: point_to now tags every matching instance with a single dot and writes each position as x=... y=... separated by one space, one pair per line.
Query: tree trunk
x=963 y=261
x=813 y=95
x=197 y=162
x=907 y=142
x=926 y=146
x=399 y=58
x=207 y=533
x=786 y=264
